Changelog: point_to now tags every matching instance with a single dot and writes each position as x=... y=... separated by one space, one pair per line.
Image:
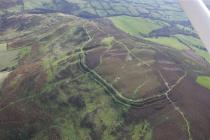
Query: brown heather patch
x=26 y=78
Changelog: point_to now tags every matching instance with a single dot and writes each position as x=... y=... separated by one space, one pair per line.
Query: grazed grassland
x=3 y=75
x=169 y=41
x=135 y=25
x=204 y=81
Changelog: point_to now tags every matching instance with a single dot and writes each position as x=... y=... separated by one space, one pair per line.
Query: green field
x=3 y=47
x=170 y=42
x=30 y=4
x=195 y=44
x=190 y=40
x=3 y=75
x=204 y=81
x=135 y=25
x=203 y=54
x=8 y=58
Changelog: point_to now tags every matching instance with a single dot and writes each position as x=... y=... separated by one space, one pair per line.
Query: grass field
x=204 y=81
x=190 y=40
x=169 y=41
x=194 y=43
x=135 y=25
x=30 y=4
x=203 y=54
x=3 y=47
x=77 y=1
x=3 y=75
x=8 y=59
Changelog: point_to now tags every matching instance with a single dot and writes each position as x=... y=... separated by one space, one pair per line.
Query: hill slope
x=79 y=70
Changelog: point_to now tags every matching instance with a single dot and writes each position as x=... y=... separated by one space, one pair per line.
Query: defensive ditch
x=117 y=96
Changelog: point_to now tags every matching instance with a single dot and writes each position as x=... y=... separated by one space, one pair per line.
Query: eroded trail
x=176 y=108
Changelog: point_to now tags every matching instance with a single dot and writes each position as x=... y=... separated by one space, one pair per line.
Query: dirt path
x=176 y=108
